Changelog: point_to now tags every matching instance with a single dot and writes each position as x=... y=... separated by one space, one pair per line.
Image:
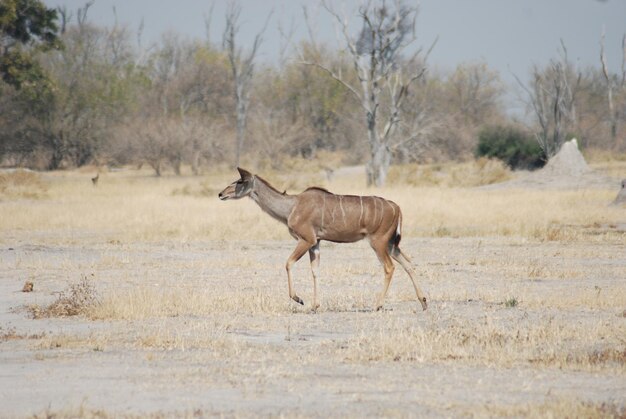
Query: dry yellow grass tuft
x=78 y=299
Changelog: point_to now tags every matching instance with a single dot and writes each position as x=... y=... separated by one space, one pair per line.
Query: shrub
x=77 y=299
x=511 y=145
x=511 y=302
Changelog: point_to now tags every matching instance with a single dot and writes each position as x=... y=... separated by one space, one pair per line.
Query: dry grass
x=132 y=206
x=215 y=317
x=10 y=333
x=554 y=408
x=608 y=163
x=593 y=298
x=191 y=293
x=451 y=175
x=147 y=303
x=21 y=184
x=81 y=411
x=490 y=341
x=550 y=344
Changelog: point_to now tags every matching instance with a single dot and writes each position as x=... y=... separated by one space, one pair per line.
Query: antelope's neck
x=271 y=201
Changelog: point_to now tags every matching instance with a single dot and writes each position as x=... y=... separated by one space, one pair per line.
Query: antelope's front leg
x=314 y=254
x=298 y=252
x=383 y=255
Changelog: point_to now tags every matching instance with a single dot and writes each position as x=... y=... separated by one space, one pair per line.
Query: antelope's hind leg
x=383 y=255
x=404 y=261
x=314 y=254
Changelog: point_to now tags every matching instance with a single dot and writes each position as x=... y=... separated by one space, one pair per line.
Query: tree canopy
x=25 y=25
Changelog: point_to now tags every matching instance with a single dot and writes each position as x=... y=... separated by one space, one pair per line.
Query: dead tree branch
x=382 y=74
x=242 y=69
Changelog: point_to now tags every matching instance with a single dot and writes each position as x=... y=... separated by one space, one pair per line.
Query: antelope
x=317 y=214
x=94 y=179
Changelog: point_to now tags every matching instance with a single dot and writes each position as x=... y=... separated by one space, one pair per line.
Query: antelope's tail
x=398 y=234
x=395 y=240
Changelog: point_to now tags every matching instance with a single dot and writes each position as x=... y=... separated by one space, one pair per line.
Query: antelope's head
x=239 y=188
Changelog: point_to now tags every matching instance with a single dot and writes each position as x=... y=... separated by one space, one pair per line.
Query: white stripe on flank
x=343 y=212
x=375 y=209
x=392 y=208
x=323 y=209
x=361 y=217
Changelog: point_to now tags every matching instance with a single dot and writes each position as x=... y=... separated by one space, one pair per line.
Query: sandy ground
x=262 y=355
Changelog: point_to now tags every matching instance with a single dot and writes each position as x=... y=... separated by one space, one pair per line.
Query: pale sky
x=509 y=35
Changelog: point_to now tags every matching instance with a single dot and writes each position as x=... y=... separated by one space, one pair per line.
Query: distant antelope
x=94 y=180
x=317 y=214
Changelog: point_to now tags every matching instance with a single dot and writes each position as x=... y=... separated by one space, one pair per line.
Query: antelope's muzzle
x=227 y=193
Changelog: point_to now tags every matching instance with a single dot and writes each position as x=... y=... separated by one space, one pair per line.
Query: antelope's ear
x=245 y=175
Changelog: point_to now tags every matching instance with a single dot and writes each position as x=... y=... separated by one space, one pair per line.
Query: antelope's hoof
x=297 y=300
x=379 y=308
x=424 y=304
x=315 y=306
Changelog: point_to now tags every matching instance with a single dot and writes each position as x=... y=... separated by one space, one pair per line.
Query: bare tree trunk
x=609 y=90
x=242 y=114
x=242 y=69
x=382 y=82
x=380 y=155
x=156 y=165
x=57 y=147
x=176 y=164
x=195 y=163
x=613 y=113
x=378 y=166
x=55 y=159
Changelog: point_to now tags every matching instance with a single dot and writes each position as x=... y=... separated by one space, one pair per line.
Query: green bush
x=511 y=145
